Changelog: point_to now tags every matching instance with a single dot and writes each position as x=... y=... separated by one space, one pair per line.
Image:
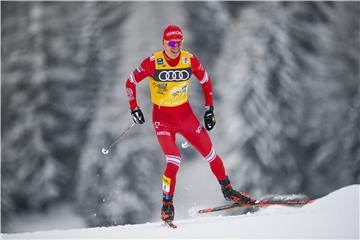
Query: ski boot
x=232 y=195
x=167 y=211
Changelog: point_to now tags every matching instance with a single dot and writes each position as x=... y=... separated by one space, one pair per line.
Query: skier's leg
x=166 y=139
x=197 y=136
x=173 y=160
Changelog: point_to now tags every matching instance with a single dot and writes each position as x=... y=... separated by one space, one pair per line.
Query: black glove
x=137 y=116
x=209 y=118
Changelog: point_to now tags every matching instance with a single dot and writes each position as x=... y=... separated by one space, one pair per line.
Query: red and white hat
x=172 y=32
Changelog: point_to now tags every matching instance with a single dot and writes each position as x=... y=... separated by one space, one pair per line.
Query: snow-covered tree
x=283 y=63
x=47 y=94
x=29 y=166
x=326 y=39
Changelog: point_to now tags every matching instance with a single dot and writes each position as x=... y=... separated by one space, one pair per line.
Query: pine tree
x=45 y=107
x=29 y=166
x=289 y=96
x=327 y=35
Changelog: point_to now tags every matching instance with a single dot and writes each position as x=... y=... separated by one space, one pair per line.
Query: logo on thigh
x=157 y=125
x=164 y=133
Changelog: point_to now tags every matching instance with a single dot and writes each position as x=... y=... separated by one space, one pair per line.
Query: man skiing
x=169 y=72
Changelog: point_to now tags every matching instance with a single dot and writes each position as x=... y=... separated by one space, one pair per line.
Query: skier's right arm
x=135 y=77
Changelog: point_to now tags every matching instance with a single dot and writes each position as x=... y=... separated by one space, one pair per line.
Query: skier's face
x=172 y=47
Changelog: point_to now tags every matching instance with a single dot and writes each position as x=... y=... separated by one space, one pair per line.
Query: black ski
x=257 y=203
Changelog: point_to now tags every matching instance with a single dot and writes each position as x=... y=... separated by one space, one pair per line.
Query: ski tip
x=205 y=210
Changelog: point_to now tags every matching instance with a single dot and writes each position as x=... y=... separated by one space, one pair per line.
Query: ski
x=257 y=203
x=170 y=224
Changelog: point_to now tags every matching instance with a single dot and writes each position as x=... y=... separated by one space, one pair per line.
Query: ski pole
x=106 y=150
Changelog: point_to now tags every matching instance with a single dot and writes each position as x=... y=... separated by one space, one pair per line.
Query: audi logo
x=174 y=75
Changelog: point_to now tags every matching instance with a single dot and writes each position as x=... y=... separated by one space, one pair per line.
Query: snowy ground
x=334 y=216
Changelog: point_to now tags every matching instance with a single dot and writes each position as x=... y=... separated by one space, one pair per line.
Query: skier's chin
x=175 y=52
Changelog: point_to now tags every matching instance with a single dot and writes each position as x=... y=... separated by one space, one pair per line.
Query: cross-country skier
x=169 y=72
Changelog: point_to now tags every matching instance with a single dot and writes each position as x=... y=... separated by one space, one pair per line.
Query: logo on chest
x=172 y=75
x=160 y=61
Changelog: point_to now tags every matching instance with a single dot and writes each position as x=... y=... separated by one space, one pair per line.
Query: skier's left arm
x=205 y=80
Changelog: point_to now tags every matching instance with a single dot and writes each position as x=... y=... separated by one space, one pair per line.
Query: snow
x=333 y=216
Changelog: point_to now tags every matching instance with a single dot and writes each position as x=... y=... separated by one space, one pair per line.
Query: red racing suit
x=172 y=114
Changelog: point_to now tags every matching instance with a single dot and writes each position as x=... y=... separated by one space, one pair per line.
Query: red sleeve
x=146 y=68
x=199 y=71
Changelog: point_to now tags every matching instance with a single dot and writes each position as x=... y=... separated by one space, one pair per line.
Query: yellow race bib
x=169 y=85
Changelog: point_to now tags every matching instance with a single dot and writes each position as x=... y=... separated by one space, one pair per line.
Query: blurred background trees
x=286 y=89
